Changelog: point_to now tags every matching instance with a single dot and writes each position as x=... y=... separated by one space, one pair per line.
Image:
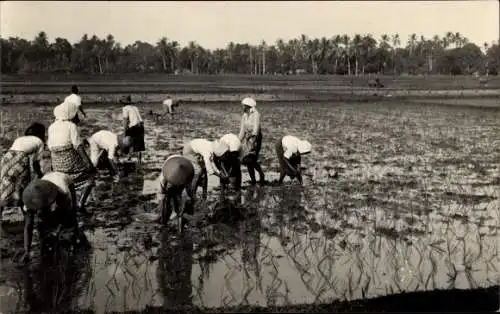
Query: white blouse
x=204 y=148
x=232 y=141
x=250 y=123
x=30 y=145
x=290 y=145
x=62 y=133
x=132 y=114
x=100 y=141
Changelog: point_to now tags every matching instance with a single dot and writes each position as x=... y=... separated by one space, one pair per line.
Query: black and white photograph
x=249 y=156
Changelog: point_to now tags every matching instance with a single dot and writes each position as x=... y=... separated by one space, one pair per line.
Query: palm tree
x=369 y=45
x=486 y=45
x=193 y=56
x=356 y=44
x=304 y=49
x=162 y=46
x=230 y=56
x=41 y=45
x=108 y=50
x=458 y=40
x=411 y=42
x=325 y=52
x=395 y=45
x=336 y=42
x=450 y=39
x=282 y=50
x=173 y=52
x=263 y=47
x=347 y=51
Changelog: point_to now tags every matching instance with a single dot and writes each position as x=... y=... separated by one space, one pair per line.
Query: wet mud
x=386 y=208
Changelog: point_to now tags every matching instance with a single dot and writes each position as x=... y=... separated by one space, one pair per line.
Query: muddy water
x=288 y=253
x=394 y=213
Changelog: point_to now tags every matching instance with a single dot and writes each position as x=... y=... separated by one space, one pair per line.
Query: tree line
x=452 y=54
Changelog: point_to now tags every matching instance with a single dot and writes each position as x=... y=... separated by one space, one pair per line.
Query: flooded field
x=396 y=197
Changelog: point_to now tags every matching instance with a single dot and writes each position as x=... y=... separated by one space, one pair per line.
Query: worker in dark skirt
x=25 y=153
x=134 y=127
x=176 y=188
x=289 y=150
x=251 y=139
x=53 y=200
x=230 y=160
x=68 y=155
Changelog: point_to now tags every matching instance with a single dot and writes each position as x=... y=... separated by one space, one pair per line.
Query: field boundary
x=452 y=300
x=208 y=97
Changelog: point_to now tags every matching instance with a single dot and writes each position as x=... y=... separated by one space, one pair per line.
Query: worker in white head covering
x=289 y=150
x=68 y=154
x=203 y=153
x=251 y=138
x=62 y=112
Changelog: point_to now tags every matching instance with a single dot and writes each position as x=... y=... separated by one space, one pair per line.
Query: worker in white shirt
x=53 y=200
x=169 y=105
x=133 y=126
x=202 y=152
x=75 y=101
x=289 y=150
x=105 y=147
x=231 y=159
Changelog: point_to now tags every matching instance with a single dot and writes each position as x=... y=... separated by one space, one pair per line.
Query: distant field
x=220 y=83
x=47 y=89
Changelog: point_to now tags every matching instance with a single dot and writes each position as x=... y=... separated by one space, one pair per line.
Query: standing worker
x=251 y=139
x=134 y=127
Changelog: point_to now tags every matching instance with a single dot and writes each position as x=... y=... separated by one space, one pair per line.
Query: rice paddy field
x=400 y=195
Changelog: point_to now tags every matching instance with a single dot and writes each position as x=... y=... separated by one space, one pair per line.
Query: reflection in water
x=57 y=281
x=251 y=229
x=175 y=266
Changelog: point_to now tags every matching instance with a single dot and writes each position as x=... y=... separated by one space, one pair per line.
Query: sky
x=213 y=24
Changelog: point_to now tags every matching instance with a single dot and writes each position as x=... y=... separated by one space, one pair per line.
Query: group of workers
x=52 y=196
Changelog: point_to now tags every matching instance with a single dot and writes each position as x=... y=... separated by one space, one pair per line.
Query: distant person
x=251 y=139
x=68 y=154
x=169 y=105
x=53 y=199
x=176 y=177
x=203 y=151
x=134 y=127
x=232 y=158
x=25 y=153
x=105 y=147
x=75 y=102
x=289 y=150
